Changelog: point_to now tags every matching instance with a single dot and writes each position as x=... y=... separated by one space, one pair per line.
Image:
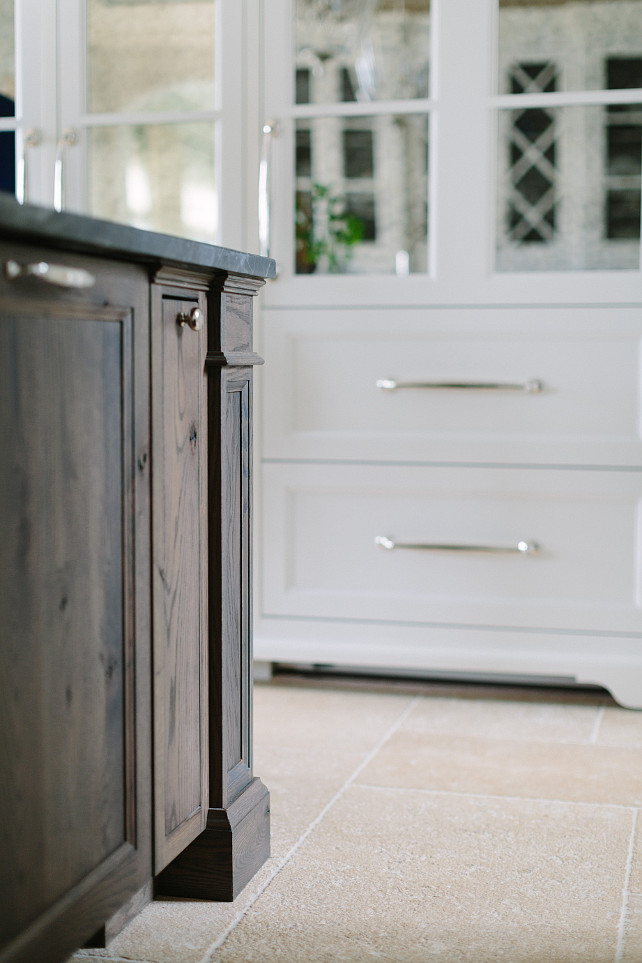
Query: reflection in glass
x=569 y=188
x=157 y=177
x=151 y=55
x=362 y=194
x=362 y=50
x=7 y=96
x=575 y=36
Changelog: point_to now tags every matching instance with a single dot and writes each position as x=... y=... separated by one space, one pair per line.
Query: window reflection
x=381 y=48
x=131 y=64
x=157 y=177
x=578 y=37
x=361 y=181
x=361 y=194
x=570 y=176
x=569 y=188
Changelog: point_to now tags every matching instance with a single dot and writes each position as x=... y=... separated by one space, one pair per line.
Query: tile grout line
x=625 y=894
x=596 y=726
x=627 y=807
x=208 y=958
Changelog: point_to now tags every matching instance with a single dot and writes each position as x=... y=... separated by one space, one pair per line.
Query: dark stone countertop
x=91 y=236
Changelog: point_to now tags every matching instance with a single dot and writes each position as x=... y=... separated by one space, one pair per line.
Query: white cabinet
x=483 y=531
x=562 y=385
x=479 y=389
x=535 y=549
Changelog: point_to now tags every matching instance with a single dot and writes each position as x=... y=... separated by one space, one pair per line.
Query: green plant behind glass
x=325 y=232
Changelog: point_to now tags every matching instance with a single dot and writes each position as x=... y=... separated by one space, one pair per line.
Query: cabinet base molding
x=125 y=915
x=227 y=854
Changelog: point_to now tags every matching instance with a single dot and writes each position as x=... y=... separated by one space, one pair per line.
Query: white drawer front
x=321 y=398
x=320 y=558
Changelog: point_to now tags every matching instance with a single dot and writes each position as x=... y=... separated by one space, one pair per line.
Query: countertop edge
x=95 y=236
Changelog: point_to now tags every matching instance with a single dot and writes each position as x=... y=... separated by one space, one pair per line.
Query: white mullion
x=230 y=93
x=461 y=235
x=253 y=114
x=561 y=98
x=145 y=118
x=361 y=109
x=279 y=97
x=72 y=92
x=36 y=106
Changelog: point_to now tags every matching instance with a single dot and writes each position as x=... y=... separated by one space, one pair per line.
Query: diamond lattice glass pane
x=569 y=188
x=574 y=39
x=361 y=50
x=157 y=177
x=362 y=195
x=150 y=55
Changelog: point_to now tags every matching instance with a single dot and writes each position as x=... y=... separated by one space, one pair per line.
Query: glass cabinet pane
x=574 y=39
x=362 y=194
x=150 y=55
x=361 y=50
x=7 y=95
x=159 y=177
x=569 y=187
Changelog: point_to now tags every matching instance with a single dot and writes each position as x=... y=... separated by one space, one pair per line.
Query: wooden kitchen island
x=125 y=577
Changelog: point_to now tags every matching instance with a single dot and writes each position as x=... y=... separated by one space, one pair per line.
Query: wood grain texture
x=225 y=857
x=180 y=565
x=236 y=839
x=75 y=763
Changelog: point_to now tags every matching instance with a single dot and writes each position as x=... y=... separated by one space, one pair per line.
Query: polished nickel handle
x=31 y=138
x=270 y=130
x=193 y=320
x=521 y=548
x=58 y=274
x=533 y=386
x=68 y=139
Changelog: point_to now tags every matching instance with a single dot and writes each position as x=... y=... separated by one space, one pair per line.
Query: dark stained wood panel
x=180 y=567
x=65 y=435
x=235 y=612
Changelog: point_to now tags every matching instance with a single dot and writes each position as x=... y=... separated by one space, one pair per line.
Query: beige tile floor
x=419 y=825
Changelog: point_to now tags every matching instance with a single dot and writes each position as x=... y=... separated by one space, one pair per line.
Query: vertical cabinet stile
x=180 y=565
x=235 y=842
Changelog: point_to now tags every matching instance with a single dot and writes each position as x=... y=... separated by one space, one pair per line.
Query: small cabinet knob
x=194 y=319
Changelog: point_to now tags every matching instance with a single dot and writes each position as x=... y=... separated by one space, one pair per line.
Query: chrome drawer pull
x=522 y=547
x=58 y=274
x=533 y=386
x=270 y=131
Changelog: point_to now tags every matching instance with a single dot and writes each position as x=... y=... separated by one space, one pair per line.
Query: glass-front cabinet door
x=117 y=108
x=350 y=89
x=453 y=339
x=361 y=117
x=569 y=100
x=450 y=144
x=27 y=98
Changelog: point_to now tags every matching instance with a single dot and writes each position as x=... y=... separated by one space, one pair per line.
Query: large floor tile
x=290 y=718
x=178 y=931
x=620 y=727
x=401 y=876
x=635 y=883
x=507 y=767
x=537 y=722
x=632 y=943
x=301 y=783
